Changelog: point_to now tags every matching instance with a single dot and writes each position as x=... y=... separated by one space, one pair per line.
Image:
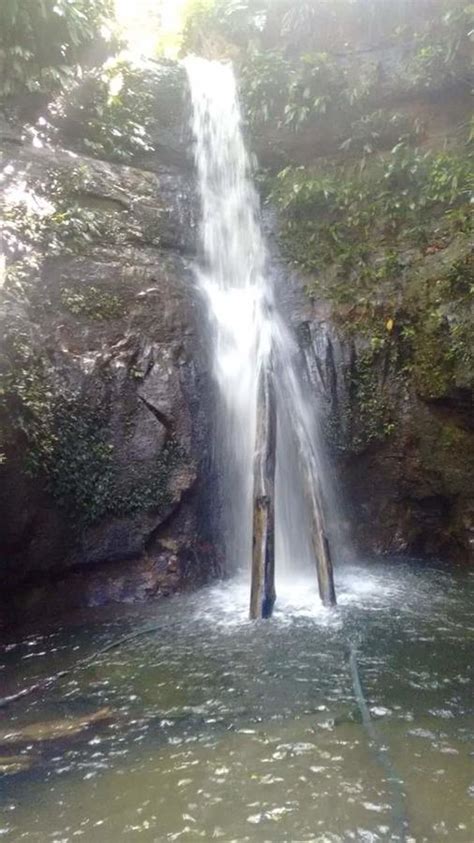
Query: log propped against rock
x=319 y=539
x=314 y=499
x=262 y=594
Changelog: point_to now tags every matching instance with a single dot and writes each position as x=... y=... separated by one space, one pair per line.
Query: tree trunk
x=262 y=594
x=319 y=538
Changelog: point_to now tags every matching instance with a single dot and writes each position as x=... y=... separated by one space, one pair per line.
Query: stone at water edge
x=10 y=765
x=51 y=730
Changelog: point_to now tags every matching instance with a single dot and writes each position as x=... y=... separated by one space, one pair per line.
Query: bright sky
x=143 y=21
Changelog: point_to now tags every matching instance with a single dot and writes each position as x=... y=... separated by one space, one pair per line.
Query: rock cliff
x=106 y=485
x=105 y=385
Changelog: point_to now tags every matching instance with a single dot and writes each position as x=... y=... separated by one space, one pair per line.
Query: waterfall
x=233 y=274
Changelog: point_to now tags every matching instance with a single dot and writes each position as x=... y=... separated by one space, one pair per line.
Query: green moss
x=93 y=303
x=67 y=443
x=83 y=475
x=422 y=342
x=442 y=357
x=432 y=368
x=372 y=414
x=451 y=437
x=439 y=322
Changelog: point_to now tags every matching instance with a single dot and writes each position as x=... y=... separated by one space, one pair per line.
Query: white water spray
x=233 y=276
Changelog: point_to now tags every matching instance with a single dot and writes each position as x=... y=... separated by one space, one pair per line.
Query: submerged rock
x=10 y=765
x=52 y=730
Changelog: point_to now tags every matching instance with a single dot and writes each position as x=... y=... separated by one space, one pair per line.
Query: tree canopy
x=43 y=43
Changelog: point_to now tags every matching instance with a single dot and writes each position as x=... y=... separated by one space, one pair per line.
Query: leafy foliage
x=264 y=83
x=236 y=21
x=443 y=48
x=372 y=411
x=43 y=42
x=424 y=346
x=316 y=83
x=23 y=386
x=337 y=212
x=108 y=115
x=296 y=61
x=82 y=472
x=344 y=24
x=57 y=214
x=291 y=93
x=309 y=25
x=439 y=331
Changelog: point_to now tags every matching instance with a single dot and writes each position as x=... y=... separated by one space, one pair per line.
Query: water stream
x=246 y=328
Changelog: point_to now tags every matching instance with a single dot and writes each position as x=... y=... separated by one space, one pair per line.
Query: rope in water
x=380 y=751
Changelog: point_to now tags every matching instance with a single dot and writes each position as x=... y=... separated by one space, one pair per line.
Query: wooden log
x=262 y=592
x=320 y=541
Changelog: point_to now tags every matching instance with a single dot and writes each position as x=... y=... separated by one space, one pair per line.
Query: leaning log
x=262 y=593
x=319 y=539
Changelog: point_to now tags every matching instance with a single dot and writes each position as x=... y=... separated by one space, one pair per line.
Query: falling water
x=234 y=277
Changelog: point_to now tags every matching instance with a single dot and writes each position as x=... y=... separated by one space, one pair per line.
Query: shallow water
x=223 y=728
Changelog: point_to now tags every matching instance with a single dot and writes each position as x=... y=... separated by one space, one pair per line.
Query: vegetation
x=380 y=220
x=50 y=218
x=93 y=303
x=438 y=330
x=297 y=27
x=210 y=22
x=297 y=65
x=43 y=43
x=47 y=219
x=353 y=217
x=388 y=243
x=83 y=473
x=108 y=115
x=372 y=416
x=67 y=440
x=112 y=113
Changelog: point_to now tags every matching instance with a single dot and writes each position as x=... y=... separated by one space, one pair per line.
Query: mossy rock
x=91 y=302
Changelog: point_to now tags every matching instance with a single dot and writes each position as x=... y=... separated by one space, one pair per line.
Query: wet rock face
x=396 y=416
x=404 y=461
x=104 y=376
x=387 y=351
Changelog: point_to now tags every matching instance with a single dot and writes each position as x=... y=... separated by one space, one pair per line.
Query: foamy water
x=370 y=589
